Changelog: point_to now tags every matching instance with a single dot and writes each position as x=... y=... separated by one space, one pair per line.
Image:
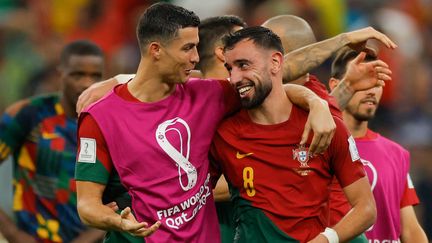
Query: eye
x=76 y=75
x=188 y=47
x=243 y=65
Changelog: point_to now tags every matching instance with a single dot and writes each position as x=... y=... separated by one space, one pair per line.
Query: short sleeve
x=409 y=197
x=345 y=159
x=93 y=159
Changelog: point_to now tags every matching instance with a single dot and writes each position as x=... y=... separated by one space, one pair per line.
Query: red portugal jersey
x=269 y=172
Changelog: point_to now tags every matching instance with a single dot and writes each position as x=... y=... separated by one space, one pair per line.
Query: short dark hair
x=343 y=57
x=261 y=36
x=80 y=48
x=211 y=31
x=161 y=22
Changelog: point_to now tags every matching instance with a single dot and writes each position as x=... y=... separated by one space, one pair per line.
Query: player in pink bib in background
x=387 y=165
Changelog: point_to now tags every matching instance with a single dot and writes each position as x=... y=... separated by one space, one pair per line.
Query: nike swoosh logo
x=241 y=156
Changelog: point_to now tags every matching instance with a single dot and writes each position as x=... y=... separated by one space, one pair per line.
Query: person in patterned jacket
x=40 y=134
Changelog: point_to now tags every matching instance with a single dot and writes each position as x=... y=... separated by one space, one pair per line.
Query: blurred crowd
x=32 y=33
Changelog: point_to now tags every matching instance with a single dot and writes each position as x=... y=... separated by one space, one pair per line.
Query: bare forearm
x=221 y=192
x=301 y=61
x=98 y=90
x=320 y=120
x=363 y=212
x=221 y=196
x=411 y=231
x=302 y=96
x=343 y=94
x=99 y=216
x=357 y=221
x=415 y=236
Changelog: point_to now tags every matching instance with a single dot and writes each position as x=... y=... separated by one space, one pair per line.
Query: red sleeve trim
x=88 y=128
x=409 y=198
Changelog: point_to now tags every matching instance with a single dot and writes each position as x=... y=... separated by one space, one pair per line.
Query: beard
x=261 y=93
x=361 y=116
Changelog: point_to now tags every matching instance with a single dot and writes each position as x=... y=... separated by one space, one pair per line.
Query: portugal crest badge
x=301 y=154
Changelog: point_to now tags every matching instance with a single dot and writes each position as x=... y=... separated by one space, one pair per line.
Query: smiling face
x=179 y=56
x=249 y=72
x=364 y=104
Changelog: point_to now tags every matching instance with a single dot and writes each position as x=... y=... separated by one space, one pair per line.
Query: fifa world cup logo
x=181 y=155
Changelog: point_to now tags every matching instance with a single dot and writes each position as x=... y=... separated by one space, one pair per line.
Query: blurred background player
x=40 y=134
x=387 y=165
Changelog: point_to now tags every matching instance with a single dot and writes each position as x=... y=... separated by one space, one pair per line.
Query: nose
x=194 y=56
x=235 y=76
x=373 y=91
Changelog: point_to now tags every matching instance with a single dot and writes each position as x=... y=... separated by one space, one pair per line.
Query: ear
x=218 y=51
x=276 y=62
x=333 y=82
x=154 y=49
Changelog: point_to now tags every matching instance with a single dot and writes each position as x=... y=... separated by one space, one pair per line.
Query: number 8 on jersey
x=248 y=176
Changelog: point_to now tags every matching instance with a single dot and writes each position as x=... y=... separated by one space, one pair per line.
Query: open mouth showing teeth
x=369 y=102
x=243 y=90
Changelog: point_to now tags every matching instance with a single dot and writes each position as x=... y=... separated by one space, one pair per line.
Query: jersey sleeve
x=409 y=197
x=344 y=157
x=16 y=124
x=231 y=98
x=93 y=159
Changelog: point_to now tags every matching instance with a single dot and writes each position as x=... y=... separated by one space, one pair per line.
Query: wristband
x=331 y=235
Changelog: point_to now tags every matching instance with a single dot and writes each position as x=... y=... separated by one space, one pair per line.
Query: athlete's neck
x=275 y=109
x=148 y=86
x=357 y=128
